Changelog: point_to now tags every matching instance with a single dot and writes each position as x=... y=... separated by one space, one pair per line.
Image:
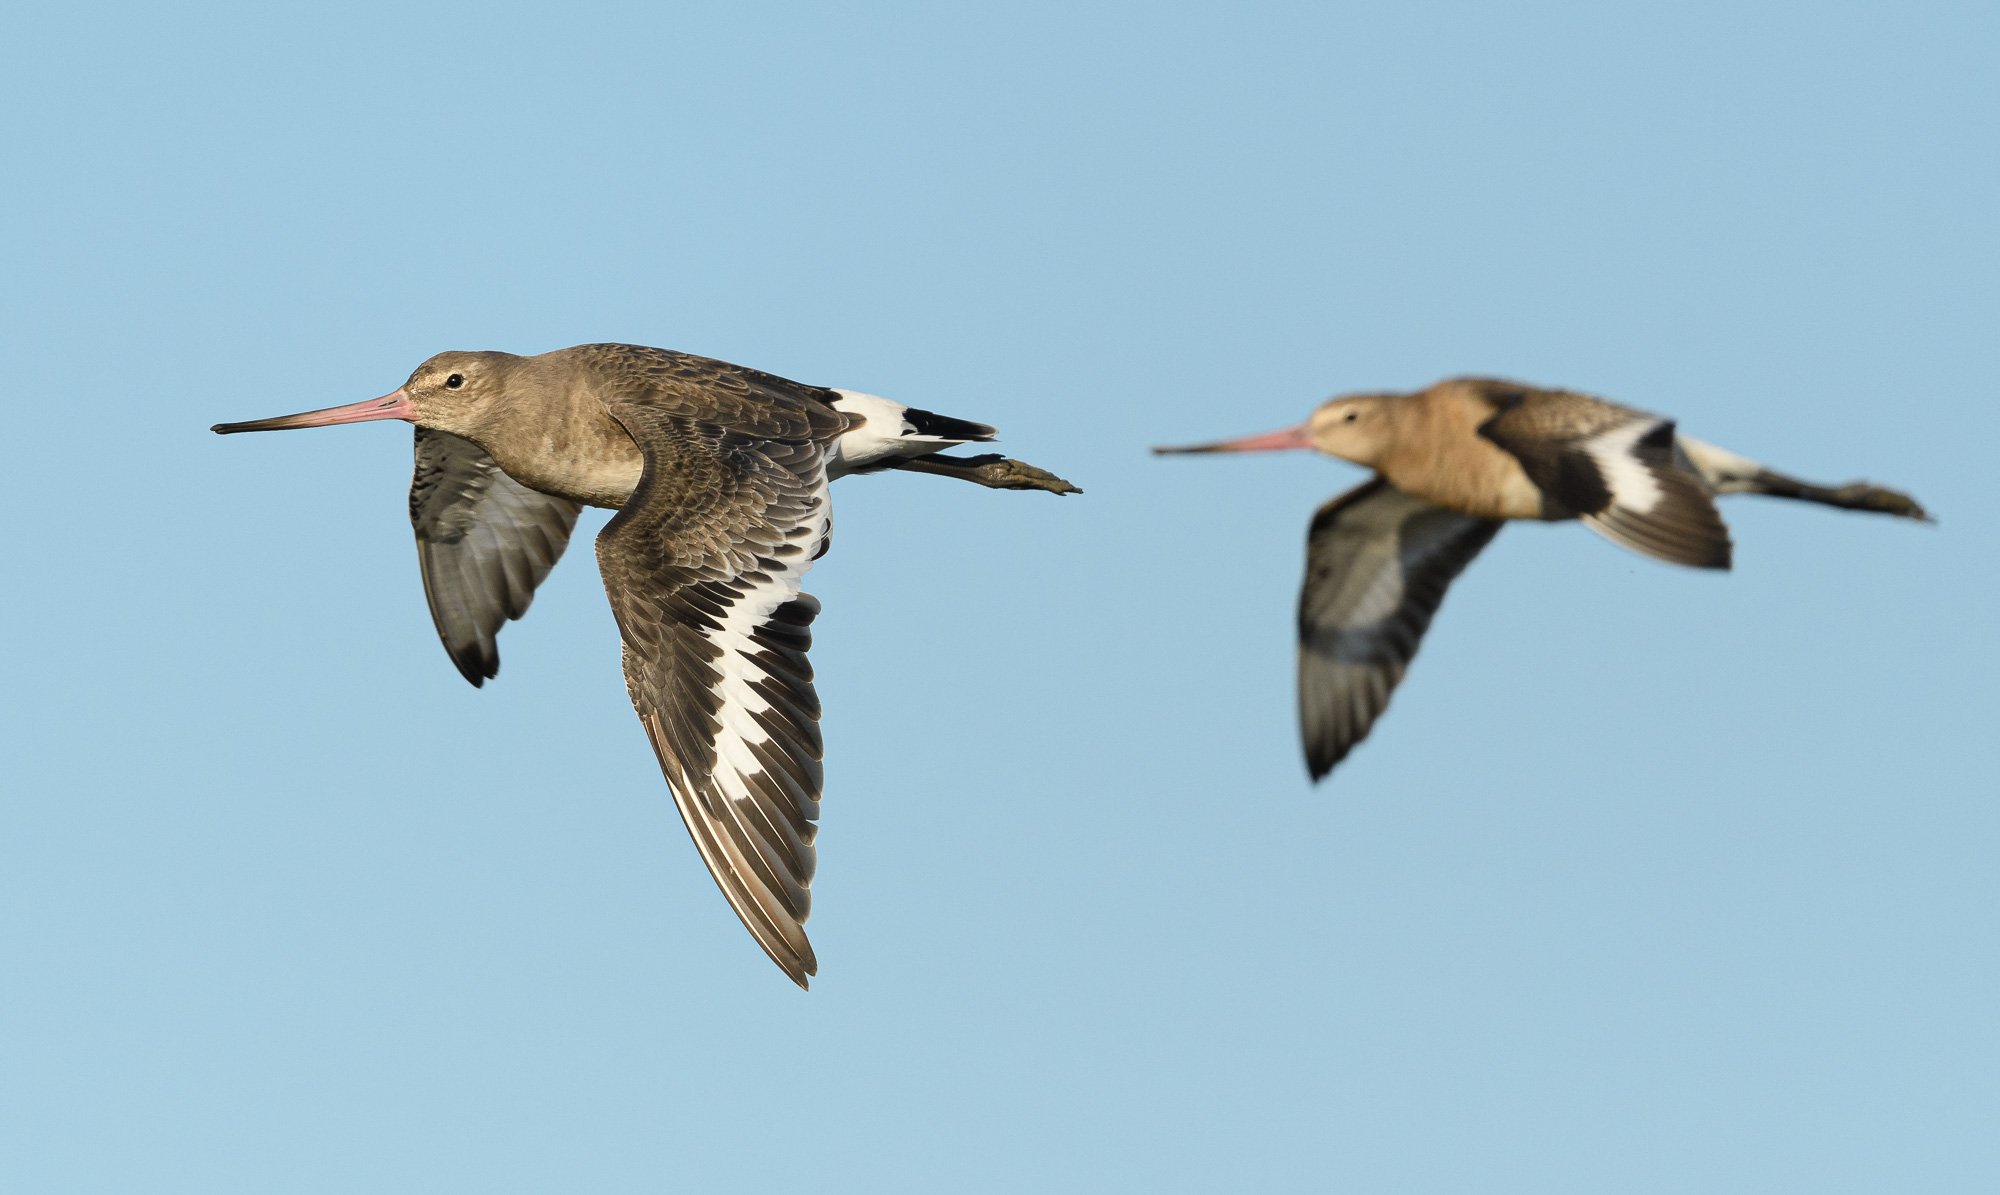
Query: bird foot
x=1006 y=473
x=1860 y=495
x=991 y=470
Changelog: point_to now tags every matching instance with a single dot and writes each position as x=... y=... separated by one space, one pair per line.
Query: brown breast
x=1439 y=456
x=551 y=433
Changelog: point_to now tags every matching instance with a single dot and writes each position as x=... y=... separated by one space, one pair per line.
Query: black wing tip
x=474 y=667
x=1321 y=760
x=1325 y=747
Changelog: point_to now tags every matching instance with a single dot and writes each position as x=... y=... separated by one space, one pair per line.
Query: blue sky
x=1650 y=881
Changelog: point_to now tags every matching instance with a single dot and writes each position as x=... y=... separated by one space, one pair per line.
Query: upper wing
x=484 y=541
x=1615 y=468
x=1377 y=564
x=703 y=566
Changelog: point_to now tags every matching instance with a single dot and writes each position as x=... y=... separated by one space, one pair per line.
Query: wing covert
x=703 y=567
x=1617 y=469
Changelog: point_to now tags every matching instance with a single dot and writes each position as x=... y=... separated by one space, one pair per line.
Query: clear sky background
x=1651 y=880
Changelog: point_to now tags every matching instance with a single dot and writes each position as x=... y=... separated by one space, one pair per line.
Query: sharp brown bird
x=1452 y=464
x=719 y=475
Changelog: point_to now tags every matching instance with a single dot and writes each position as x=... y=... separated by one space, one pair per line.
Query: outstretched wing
x=1377 y=565
x=703 y=566
x=484 y=541
x=1615 y=468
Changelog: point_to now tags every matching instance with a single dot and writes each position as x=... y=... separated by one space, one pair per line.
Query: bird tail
x=893 y=436
x=890 y=432
x=944 y=429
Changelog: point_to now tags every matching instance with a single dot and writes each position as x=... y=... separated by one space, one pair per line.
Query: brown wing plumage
x=1615 y=468
x=703 y=566
x=1378 y=563
x=728 y=395
x=484 y=542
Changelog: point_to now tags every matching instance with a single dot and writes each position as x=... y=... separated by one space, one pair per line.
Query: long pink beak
x=389 y=406
x=1291 y=437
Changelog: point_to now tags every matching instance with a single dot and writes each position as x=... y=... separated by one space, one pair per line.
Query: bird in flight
x=719 y=475
x=1452 y=464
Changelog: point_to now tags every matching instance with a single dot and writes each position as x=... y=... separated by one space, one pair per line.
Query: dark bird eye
x=458 y=379
x=1351 y=415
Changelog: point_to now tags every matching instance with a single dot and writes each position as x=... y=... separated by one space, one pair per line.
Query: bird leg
x=1855 y=495
x=991 y=470
x=1727 y=473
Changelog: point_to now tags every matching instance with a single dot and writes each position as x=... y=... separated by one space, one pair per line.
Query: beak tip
x=390 y=406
